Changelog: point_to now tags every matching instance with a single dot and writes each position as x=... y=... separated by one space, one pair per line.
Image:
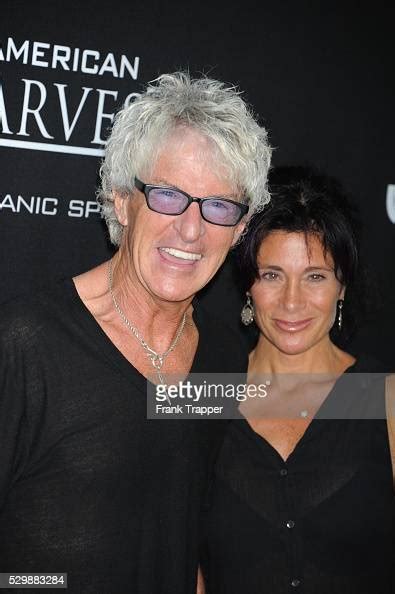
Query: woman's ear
x=342 y=292
x=121 y=207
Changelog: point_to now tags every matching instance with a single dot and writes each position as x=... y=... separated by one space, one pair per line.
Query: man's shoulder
x=213 y=321
x=224 y=341
x=30 y=314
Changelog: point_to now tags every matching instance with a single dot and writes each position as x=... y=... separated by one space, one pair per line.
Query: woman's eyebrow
x=272 y=266
x=308 y=269
x=328 y=268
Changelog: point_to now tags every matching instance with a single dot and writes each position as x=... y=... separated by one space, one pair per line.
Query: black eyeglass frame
x=146 y=188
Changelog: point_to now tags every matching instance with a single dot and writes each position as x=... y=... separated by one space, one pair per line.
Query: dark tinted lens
x=221 y=212
x=167 y=200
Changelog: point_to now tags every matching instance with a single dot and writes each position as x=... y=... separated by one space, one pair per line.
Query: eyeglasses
x=171 y=201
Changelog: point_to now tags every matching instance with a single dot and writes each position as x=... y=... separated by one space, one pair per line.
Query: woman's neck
x=324 y=357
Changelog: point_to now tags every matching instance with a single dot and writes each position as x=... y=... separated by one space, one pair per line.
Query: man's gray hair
x=172 y=101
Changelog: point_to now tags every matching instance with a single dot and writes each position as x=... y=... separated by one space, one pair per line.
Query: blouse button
x=283 y=472
x=290 y=524
x=295 y=583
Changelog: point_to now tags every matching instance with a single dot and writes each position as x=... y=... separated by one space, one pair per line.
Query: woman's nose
x=293 y=295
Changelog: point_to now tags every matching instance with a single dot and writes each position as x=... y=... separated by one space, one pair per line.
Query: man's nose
x=190 y=224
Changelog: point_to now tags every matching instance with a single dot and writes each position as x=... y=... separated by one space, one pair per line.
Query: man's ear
x=120 y=206
x=237 y=232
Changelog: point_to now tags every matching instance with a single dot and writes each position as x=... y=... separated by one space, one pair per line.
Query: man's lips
x=178 y=256
x=292 y=326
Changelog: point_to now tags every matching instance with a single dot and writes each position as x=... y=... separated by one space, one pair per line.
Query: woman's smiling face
x=297 y=291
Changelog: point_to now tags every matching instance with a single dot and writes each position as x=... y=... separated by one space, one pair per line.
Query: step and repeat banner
x=320 y=77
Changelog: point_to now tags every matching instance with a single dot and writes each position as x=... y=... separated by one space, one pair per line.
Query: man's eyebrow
x=162 y=181
x=165 y=183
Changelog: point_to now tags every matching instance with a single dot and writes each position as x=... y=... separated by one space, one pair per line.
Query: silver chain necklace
x=157 y=359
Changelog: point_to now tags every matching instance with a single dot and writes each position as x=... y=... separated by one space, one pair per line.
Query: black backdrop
x=320 y=75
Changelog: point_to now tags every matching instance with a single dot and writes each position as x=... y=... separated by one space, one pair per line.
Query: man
x=88 y=485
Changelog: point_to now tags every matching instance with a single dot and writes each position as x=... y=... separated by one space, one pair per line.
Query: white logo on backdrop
x=101 y=103
x=391 y=202
x=49 y=206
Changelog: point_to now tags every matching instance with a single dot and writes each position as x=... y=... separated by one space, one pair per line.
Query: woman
x=302 y=497
x=88 y=485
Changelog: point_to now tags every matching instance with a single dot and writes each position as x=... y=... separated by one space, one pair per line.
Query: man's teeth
x=181 y=254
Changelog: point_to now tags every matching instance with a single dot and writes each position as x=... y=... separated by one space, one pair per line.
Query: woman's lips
x=296 y=326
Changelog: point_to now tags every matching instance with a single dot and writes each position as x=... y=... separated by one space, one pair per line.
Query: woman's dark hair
x=306 y=201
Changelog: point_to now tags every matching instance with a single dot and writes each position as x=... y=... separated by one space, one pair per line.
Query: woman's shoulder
x=368 y=363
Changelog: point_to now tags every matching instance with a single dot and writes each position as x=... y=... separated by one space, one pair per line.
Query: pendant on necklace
x=156 y=360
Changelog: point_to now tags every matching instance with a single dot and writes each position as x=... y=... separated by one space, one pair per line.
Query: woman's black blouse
x=322 y=522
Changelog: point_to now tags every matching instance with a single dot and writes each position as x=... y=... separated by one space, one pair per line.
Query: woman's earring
x=340 y=314
x=247 y=313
